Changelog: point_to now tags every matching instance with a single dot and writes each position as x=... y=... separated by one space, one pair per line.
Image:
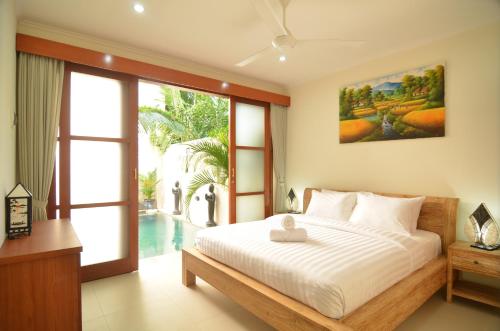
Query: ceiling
x=220 y=33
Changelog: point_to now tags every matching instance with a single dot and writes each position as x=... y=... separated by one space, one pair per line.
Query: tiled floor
x=155 y=299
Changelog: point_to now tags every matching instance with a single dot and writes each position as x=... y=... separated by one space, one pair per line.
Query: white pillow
x=392 y=214
x=331 y=204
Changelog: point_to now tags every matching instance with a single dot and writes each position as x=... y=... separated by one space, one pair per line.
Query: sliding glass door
x=250 y=161
x=97 y=168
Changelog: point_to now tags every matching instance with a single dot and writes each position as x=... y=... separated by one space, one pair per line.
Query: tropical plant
x=147 y=184
x=186 y=116
x=210 y=158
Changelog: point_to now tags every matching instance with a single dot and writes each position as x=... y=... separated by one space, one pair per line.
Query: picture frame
x=407 y=104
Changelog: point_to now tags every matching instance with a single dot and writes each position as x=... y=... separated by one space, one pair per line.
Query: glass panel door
x=97 y=180
x=250 y=161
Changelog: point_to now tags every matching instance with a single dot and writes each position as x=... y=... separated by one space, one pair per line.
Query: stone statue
x=176 y=191
x=210 y=197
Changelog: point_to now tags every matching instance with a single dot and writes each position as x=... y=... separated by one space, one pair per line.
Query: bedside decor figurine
x=210 y=197
x=176 y=191
x=291 y=198
x=482 y=229
x=18 y=212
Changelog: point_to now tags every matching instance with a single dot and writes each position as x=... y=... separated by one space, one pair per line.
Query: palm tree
x=184 y=116
x=210 y=158
x=162 y=128
x=147 y=186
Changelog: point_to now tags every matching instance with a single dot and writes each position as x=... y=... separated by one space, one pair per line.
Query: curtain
x=278 y=133
x=39 y=91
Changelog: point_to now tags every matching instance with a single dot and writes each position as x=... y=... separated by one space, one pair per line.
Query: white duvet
x=339 y=268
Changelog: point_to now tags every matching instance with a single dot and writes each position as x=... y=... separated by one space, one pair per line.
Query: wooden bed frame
x=384 y=312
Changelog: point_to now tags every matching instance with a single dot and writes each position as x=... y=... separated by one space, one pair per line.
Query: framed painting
x=404 y=105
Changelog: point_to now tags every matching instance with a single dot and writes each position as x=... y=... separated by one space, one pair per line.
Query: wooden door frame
x=268 y=158
x=74 y=54
x=131 y=262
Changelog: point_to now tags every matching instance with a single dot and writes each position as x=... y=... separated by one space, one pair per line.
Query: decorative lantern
x=18 y=212
x=482 y=229
x=291 y=198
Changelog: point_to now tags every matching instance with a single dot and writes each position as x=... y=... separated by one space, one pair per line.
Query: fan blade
x=254 y=57
x=338 y=42
x=272 y=13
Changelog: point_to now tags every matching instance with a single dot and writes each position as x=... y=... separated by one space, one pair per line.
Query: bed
x=310 y=310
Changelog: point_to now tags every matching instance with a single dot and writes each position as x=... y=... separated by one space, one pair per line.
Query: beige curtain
x=278 y=133
x=39 y=91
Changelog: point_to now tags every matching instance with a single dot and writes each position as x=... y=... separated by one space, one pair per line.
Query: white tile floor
x=155 y=299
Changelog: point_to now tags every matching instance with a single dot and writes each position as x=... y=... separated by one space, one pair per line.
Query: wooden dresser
x=40 y=280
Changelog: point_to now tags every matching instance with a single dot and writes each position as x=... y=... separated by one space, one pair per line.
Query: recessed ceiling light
x=139 y=8
x=282 y=58
x=108 y=58
x=225 y=85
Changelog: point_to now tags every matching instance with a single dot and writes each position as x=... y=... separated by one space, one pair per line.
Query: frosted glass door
x=96 y=168
x=250 y=148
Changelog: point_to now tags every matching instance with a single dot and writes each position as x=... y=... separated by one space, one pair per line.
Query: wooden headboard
x=437 y=215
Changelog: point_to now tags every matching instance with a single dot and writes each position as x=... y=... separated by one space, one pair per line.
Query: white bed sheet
x=339 y=268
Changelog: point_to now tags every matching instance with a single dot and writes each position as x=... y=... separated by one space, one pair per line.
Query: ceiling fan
x=273 y=13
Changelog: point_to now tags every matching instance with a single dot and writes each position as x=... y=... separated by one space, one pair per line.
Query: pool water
x=161 y=233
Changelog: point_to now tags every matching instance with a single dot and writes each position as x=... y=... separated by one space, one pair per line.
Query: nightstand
x=462 y=257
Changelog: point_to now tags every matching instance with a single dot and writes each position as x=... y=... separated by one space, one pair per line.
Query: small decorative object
x=176 y=191
x=482 y=229
x=291 y=198
x=18 y=210
x=147 y=184
x=403 y=105
x=210 y=197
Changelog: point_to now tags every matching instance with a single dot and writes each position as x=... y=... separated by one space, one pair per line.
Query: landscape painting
x=404 y=105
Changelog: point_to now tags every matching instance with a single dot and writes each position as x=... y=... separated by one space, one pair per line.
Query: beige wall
x=7 y=103
x=464 y=164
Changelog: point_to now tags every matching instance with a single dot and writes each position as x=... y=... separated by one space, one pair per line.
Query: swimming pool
x=160 y=233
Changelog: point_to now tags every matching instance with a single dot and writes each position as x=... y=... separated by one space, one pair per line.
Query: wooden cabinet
x=462 y=257
x=40 y=280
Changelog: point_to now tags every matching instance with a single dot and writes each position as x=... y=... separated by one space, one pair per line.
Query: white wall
x=7 y=103
x=464 y=164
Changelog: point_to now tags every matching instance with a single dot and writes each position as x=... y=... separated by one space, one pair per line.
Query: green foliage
x=366 y=96
x=409 y=86
x=377 y=134
x=147 y=184
x=211 y=160
x=187 y=116
x=429 y=86
x=432 y=104
x=352 y=98
x=436 y=84
x=399 y=126
x=379 y=96
x=391 y=117
x=346 y=99
x=380 y=115
x=398 y=92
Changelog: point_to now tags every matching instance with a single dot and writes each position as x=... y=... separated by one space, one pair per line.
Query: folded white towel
x=288 y=222
x=297 y=234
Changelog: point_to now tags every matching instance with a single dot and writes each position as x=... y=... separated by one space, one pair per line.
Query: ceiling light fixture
x=108 y=58
x=282 y=58
x=139 y=8
x=225 y=85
